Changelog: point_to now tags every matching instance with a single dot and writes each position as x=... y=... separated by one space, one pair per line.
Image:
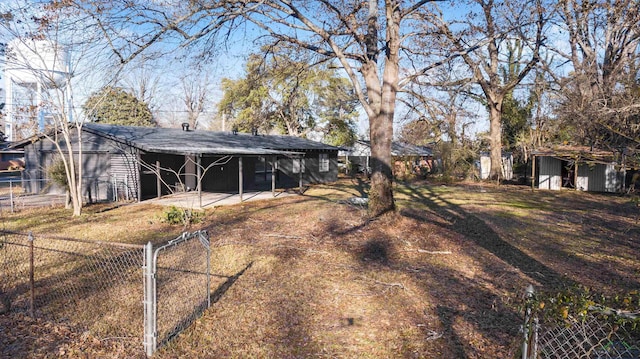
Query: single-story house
x=484 y=165
x=582 y=168
x=408 y=159
x=138 y=163
x=11 y=159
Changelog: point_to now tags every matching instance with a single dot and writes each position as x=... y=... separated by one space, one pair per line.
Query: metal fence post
x=11 y=194
x=149 y=299
x=204 y=238
x=526 y=327
x=32 y=284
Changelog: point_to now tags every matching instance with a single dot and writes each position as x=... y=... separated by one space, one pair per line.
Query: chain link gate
x=177 y=286
x=591 y=337
x=96 y=284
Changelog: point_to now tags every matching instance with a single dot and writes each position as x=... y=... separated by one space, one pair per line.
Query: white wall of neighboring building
x=507 y=166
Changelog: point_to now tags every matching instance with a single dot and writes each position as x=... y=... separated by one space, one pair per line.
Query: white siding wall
x=124 y=171
x=485 y=167
x=507 y=166
x=583 y=177
x=613 y=179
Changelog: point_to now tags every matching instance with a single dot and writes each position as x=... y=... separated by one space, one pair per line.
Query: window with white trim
x=323 y=162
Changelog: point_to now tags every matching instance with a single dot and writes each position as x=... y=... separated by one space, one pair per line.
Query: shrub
x=175 y=215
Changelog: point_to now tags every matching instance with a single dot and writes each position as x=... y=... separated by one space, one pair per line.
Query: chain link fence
x=182 y=283
x=94 y=285
x=137 y=293
x=18 y=193
x=594 y=336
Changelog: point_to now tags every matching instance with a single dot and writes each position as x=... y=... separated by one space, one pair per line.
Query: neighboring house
x=138 y=163
x=407 y=158
x=580 y=167
x=11 y=165
x=11 y=159
x=484 y=166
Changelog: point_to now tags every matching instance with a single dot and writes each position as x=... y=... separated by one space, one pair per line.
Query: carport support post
x=273 y=175
x=240 y=177
x=199 y=174
x=575 y=175
x=138 y=180
x=158 y=183
x=301 y=161
x=533 y=172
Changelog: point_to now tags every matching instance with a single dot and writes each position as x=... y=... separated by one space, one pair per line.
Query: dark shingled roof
x=170 y=140
x=363 y=148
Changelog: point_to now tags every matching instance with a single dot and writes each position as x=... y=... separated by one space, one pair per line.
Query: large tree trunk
x=382 y=100
x=381 y=192
x=381 y=134
x=495 y=139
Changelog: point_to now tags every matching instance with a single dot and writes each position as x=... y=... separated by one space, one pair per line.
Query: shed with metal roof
x=583 y=168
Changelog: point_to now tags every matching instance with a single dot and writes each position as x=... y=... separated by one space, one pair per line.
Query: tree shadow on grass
x=470 y=317
x=454 y=218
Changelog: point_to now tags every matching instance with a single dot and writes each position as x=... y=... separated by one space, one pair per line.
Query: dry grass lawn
x=311 y=276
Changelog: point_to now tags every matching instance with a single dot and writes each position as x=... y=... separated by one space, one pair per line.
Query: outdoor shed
x=138 y=163
x=579 y=167
x=485 y=165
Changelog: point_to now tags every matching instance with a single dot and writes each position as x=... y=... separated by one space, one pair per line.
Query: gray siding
x=599 y=178
x=550 y=173
x=287 y=177
x=108 y=170
x=124 y=171
x=32 y=172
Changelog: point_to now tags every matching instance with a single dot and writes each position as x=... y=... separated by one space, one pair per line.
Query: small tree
x=45 y=33
x=116 y=106
x=287 y=93
x=57 y=173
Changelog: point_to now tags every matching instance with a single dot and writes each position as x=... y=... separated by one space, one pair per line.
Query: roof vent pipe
x=185 y=126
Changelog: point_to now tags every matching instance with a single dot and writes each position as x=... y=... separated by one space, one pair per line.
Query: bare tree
x=481 y=39
x=43 y=36
x=445 y=115
x=194 y=97
x=600 y=96
x=364 y=37
x=144 y=84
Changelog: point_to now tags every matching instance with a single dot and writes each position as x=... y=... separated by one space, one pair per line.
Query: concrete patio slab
x=210 y=200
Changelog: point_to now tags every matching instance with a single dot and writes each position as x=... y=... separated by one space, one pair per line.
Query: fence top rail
x=77 y=240
x=201 y=234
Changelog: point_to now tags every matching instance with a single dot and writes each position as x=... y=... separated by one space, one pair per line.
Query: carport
x=212 y=170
